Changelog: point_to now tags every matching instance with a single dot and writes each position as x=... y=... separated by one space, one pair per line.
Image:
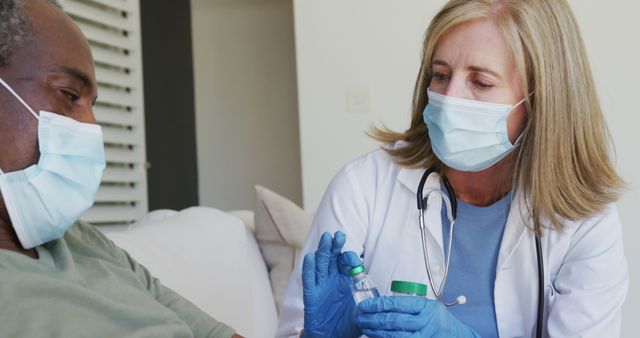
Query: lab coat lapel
x=400 y=241
x=410 y=178
x=514 y=231
x=383 y=257
x=514 y=286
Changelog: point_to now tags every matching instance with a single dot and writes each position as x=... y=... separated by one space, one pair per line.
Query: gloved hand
x=329 y=308
x=408 y=316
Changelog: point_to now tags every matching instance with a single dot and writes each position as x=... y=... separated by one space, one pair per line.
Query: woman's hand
x=408 y=316
x=329 y=308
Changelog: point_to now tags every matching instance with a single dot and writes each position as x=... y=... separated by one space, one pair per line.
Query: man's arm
x=200 y=323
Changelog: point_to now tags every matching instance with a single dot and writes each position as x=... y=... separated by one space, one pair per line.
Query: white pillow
x=281 y=230
x=213 y=260
x=246 y=216
x=153 y=217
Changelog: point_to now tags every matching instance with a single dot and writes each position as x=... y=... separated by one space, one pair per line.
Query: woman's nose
x=456 y=88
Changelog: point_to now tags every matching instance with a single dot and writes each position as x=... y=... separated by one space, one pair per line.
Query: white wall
x=342 y=46
x=246 y=101
x=345 y=46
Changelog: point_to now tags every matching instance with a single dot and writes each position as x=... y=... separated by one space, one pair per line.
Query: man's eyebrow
x=76 y=73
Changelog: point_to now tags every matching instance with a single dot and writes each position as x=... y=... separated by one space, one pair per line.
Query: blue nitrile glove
x=409 y=316
x=329 y=308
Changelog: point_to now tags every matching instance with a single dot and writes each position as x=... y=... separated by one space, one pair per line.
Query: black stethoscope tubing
x=454 y=208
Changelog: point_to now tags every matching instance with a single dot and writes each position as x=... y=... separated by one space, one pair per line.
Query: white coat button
x=437 y=268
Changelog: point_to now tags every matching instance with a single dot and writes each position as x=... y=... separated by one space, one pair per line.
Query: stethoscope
x=452 y=205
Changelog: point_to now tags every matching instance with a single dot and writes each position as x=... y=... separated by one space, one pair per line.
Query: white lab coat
x=373 y=201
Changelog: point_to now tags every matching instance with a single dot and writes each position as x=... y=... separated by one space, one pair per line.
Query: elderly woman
x=506 y=117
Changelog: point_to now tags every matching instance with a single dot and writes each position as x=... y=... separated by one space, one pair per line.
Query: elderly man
x=59 y=277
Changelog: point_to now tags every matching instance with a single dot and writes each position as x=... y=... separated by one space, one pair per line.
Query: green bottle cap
x=358 y=269
x=405 y=287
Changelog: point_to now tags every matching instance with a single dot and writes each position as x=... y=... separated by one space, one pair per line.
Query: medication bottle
x=361 y=286
x=404 y=288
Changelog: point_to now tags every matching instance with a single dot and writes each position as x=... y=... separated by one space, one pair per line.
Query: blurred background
x=200 y=100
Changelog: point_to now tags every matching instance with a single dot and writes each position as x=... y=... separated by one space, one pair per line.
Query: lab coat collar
x=410 y=178
x=515 y=229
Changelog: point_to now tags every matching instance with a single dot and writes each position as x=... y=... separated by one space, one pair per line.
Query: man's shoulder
x=84 y=230
x=83 y=236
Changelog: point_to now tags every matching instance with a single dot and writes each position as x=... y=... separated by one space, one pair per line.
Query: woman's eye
x=482 y=84
x=440 y=76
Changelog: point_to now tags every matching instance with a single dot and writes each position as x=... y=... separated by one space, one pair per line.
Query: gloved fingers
x=308 y=273
x=392 y=321
x=371 y=333
x=339 y=239
x=401 y=304
x=323 y=257
x=347 y=261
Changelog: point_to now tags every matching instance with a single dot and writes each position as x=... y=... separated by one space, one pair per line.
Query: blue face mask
x=468 y=135
x=45 y=199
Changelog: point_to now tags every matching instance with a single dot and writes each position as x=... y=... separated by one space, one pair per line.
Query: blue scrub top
x=474 y=257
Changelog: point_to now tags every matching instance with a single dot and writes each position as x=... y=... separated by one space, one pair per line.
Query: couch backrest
x=213 y=260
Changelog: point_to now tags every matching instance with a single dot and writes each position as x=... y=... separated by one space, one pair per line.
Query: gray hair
x=14 y=28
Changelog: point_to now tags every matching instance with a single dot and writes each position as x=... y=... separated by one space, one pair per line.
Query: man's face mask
x=45 y=199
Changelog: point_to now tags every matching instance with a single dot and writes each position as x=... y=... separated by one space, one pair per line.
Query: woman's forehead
x=478 y=43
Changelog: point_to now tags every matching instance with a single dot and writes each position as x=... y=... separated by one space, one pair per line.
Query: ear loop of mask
x=523 y=100
x=517 y=142
x=7 y=87
x=19 y=98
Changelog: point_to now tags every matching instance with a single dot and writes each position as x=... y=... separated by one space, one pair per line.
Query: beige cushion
x=281 y=230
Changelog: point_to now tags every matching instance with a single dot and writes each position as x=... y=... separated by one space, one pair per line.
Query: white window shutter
x=113 y=30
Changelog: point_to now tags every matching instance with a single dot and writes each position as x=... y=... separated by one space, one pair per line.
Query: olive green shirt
x=83 y=285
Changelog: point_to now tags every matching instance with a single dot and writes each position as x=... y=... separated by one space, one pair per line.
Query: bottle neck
x=359 y=276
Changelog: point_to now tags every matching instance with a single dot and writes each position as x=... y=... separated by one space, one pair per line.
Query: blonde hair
x=563 y=166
